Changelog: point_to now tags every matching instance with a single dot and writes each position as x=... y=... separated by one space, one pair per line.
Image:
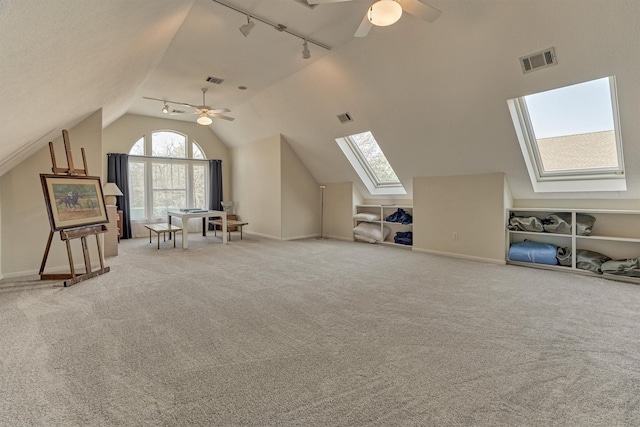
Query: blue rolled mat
x=539 y=253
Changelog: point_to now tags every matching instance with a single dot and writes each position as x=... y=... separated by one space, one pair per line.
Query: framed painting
x=73 y=201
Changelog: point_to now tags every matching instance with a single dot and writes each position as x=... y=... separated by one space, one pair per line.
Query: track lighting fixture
x=305 y=51
x=204 y=119
x=165 y=109
x=384 y=12
x=246 y=28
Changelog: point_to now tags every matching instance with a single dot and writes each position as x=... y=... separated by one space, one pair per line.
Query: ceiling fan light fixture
x=384 y=12
x=204 y=120
x=246 y=28
x=306 y=54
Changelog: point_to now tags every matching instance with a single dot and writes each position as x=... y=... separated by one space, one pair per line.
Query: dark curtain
x=118 y=172
x=215 y=187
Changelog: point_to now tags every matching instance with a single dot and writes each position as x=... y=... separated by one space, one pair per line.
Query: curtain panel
x=118 y=172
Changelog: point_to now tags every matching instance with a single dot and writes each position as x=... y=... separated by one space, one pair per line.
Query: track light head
x=306 y=54
x=246 y=28
x=165 y=109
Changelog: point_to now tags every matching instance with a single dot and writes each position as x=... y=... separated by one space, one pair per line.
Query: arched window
x=166 y=172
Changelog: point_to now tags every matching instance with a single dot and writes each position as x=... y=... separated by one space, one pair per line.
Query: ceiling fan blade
x=168 y=101
x=325 y=1
x=421 y=10
x=154 y=99
x=206 y=108
x=220 y=116
x=364 y=28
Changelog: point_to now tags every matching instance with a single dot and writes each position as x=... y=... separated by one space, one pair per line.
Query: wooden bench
x=164 y=229
x=230 y=223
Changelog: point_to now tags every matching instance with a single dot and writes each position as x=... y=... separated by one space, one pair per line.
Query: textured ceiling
x=434 y=95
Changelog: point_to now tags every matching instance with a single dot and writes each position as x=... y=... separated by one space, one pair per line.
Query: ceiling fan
x=387 y=12
x=204 y=112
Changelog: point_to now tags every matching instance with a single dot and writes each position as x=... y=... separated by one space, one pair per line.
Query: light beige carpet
x=317 y=333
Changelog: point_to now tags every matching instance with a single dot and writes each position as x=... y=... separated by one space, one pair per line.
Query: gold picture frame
x=73 y=201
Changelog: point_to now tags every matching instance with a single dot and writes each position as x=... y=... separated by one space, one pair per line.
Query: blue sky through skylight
x=571 y=110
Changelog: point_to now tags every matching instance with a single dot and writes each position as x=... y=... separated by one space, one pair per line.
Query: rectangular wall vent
x=215 y=80
x=174 y=111
x=344 y=117
x=543 y=59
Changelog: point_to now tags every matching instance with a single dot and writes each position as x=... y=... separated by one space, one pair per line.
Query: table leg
x=224 y=228
x=158 y=240
x=185 y=233
x=169 y=221
x=204 y=226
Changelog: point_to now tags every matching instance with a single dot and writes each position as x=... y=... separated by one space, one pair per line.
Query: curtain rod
x=279 y=27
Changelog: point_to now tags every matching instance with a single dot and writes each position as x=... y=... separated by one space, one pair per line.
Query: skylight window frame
x=367 y=167
x=598 y=179
x=365 y=171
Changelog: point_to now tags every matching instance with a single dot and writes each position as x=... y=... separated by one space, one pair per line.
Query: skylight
x=570 y=137
x=368 y=160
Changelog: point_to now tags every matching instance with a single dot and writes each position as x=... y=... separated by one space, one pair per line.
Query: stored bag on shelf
x=564 y=256
x=539 y=253
x=560 y=223
x=584 y=224
x=590 y=260
x=557 y=223
x=628 y=267
x=525 y=223
x=400 y=216
x=404 y=238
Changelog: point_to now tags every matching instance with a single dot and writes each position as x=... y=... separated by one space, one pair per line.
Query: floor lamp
x=322 y=187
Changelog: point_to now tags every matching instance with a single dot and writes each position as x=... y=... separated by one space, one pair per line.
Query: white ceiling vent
x=344 y=117
x=543 y=59
x=215 y=80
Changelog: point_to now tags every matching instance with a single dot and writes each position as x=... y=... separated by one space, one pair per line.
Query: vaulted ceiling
x=433 y=94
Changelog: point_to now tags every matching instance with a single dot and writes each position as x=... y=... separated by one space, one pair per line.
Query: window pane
x=168 y=144
x=199 y=197
x=138 y=148
x=197 y=152
x=574 y=127
x=374 y=156
x=165 y=200
x=136 y=196
x=169 y=182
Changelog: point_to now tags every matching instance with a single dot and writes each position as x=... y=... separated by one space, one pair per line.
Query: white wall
x=470 y=205
x=273 y=191
x=25 y=223
x=339 y=200
x=300 y=197
x=257 y=191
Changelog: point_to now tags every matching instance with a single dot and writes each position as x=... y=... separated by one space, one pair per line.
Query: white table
x=186 y=216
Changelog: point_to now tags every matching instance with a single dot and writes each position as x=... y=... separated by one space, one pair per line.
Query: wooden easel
x=73 y=233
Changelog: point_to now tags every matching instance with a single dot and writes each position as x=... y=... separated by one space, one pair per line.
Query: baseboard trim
x=266 y=236
x=346 y=239
x=461 y=256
